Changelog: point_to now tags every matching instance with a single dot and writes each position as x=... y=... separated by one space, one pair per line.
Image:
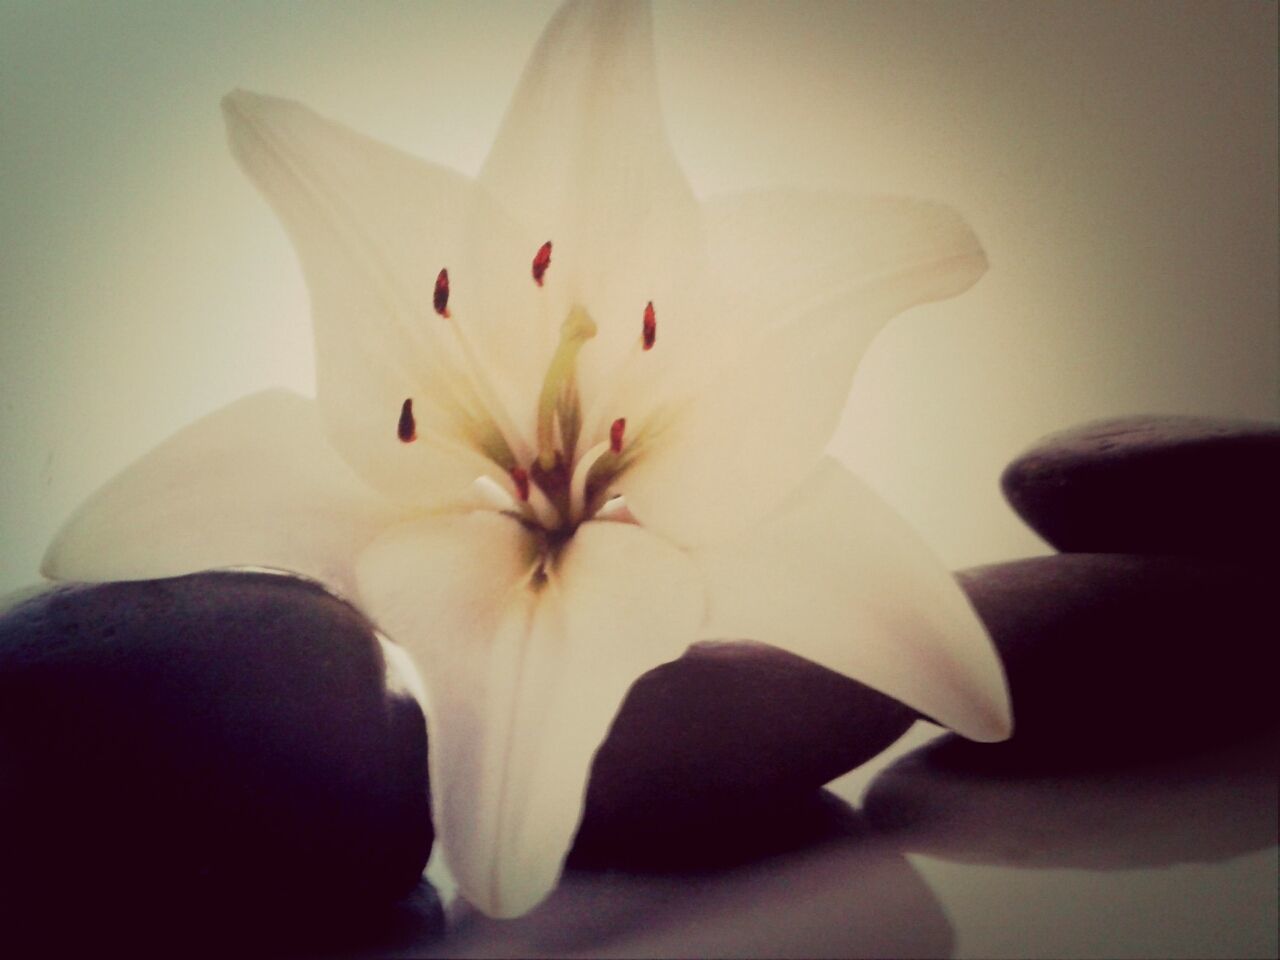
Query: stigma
x=559 y=413
x=568 y=473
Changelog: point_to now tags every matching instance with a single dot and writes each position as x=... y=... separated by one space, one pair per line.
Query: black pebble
x=730 y=726
x=1183 y=485
x=213 y=757
x=1128 y=655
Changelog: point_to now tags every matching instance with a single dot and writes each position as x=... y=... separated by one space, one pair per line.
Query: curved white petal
x=373 y=227
x=807 y=280
x=582 y=159
x=522 y=684
x=836 y=576
x=255 y=483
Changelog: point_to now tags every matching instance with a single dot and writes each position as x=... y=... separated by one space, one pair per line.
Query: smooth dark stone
x=237 y=723
x=1003 y=804
x=1110 y=654
x=1183 y=485
x=217 y=752
x=728 y=727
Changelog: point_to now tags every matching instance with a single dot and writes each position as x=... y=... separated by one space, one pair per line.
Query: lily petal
x=373 y=227
x=582 y=157
x=809 y=279
x=255 y=483
x=522 y=683
x=836 y=576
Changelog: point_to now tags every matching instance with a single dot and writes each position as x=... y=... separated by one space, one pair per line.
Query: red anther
x=615 y=434
x=520 y=476
x=650 y=326
x=407 y=429
x=441 y=297
x=541 y=260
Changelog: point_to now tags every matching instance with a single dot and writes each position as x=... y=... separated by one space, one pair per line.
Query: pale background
x=1118 y=161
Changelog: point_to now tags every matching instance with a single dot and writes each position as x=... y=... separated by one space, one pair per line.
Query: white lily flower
x=546 y=468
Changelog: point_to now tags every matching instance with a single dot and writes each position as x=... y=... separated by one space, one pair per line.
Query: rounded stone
x=237 y=727
x=728 y=726
x=1117 y=654
x=218 y=750
x=1182 y=485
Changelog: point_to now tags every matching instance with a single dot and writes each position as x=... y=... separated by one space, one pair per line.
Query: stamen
x=541 y=260
x=407 y=428
x=578 y=485
x=441 y=296
x=476 y=375
x=650 y=326
x=615 y=434
x=520 y=477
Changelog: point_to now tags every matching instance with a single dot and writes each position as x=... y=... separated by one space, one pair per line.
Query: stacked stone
x=1141 y=661
x=207 y=763
x=1154 y=627
x=226 y=753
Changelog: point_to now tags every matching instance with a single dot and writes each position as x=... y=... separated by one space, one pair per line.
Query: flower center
x=559 y=481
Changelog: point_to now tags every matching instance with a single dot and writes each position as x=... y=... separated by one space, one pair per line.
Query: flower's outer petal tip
x=998 y=725
x=810 y=278
x=240 y=103
x=255 y=483
x=239 y=106
x=991 y=717
x=952 y=258
x=235 y=101
x=50 y=563
x=836 y=576
x=247 y=116
x=582 y=154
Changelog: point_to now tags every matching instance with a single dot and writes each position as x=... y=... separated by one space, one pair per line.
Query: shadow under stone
x=1008 y=805
x=806 y=878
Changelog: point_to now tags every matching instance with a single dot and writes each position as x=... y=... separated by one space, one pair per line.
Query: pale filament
x=543 y=510
x=578 y=485
x=488 y=395
x=527 y=478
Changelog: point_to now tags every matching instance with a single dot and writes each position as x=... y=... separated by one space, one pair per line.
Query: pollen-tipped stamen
x=407 y=428
x=616 y=431
x=578 y=485
x=487 y=393
x=650 y=328
x=440 y=298
x=541 y=260
x=538 y=506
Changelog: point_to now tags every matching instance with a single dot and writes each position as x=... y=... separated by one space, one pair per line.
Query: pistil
x=578 y=485
x=558 y=406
